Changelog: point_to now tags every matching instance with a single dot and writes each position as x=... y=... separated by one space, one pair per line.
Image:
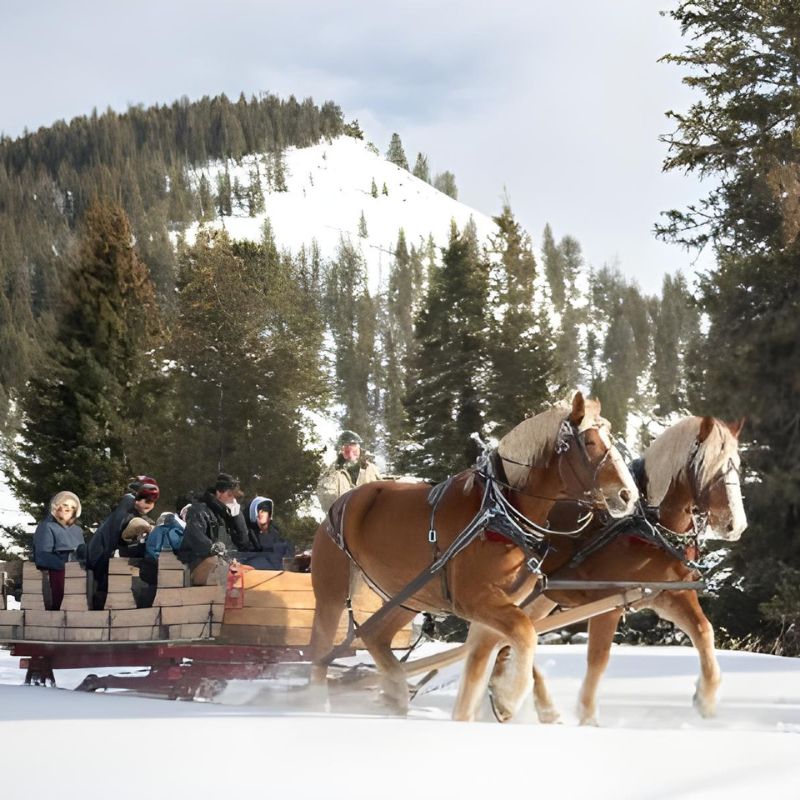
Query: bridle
x=570 y=434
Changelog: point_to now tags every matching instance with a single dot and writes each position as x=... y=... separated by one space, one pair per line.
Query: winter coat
x=106 y=538
x=271 y=548
x=208 y=521
x=53 y=543
x=336 y=480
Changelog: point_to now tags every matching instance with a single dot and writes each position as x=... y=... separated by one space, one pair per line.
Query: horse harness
x=496 y=514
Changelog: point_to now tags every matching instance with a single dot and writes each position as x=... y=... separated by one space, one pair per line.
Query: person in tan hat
x=55 y=541
x=215 y=526
x=351 y=468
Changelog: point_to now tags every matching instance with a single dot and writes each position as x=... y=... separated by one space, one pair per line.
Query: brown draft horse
x=691 y=472
x=565 y=451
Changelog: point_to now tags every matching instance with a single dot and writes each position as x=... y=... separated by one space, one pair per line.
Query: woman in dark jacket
x=139 y=502
x=269 y=546
x=56 y=538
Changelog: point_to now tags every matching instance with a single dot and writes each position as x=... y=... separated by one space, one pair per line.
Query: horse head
x=574 y=442
x=695 y=465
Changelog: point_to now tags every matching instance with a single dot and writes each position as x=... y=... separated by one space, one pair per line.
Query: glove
x=218 y=549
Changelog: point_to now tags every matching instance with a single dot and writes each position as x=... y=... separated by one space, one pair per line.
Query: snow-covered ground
x=261 y=737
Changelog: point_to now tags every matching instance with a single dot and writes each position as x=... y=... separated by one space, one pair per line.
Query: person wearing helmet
x=55 y=541
x=138 y=502
x=350 y=469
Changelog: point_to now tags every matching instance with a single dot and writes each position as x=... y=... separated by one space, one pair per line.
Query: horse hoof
x=589 y=722
x=548 y=716
x=704 y=708
x=501 y=713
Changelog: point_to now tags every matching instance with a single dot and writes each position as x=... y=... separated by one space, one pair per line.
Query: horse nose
x=625 y=496
x=731 y=527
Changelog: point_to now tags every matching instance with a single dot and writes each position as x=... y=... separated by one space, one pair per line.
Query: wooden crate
x=171 y=578
x=76 y=585
x=147 y=633
x=12 y=618
x=123 y=566
x=85 y=634
x=32 y=601
x=45 y=619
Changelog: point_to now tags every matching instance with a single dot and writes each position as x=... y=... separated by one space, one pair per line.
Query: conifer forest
x=127 y=347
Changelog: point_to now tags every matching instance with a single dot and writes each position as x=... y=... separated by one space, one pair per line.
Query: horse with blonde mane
x=391 y=534
x=691 y=474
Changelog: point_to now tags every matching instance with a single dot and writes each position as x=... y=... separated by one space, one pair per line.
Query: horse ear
x=736 y=427
x=706 y=426
x=578 y=409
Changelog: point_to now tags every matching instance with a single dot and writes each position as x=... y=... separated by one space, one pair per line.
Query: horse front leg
x=482 y=643
x=601 y=634
x=513 y=626
x=683 y=609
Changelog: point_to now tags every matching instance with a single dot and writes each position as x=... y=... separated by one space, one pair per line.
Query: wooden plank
x=32 y=601
x=73 y=569
x=10 y=632
x=75 y=585
x=119 y=583
x=44 y=619
x=29 y=569
x=10 y=617
x=85 y=634
x=38 y=633
x=295 y=598
x=168 y=560
x=262 y=635
x=190 y=596
x=122 y=566
x=120 y=600
x=136 y=617
x=171 y=579
x=87 y=619
x=181 y=615
x=138 y=634
x=271 y=581
x=194 y=631
x=271 y=617
x=75 y=602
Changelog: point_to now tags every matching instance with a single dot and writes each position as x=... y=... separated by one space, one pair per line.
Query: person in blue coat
x=55 y=541
x=138 y=502
x=269 y=547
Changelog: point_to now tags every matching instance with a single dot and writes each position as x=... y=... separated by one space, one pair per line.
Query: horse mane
x=667 y=457
x=533 y=441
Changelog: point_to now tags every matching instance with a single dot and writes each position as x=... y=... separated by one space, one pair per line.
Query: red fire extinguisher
x=234 y=591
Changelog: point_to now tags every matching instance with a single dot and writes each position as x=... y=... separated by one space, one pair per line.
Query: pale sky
x=558 y=104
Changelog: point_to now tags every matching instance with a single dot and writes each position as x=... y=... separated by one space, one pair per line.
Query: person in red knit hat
x=143 y=492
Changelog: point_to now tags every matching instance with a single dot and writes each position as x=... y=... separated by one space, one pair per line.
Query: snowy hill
x=652 y=744
x=329 y=187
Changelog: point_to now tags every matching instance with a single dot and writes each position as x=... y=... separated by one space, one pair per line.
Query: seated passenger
x=166 y=536
x=138 y=502
x=55 y=541
x=214 y=526
x=270 y=548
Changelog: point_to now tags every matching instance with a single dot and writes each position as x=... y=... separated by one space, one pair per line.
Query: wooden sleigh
x=192 y=638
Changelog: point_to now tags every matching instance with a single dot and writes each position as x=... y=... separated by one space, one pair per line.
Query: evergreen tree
x=448 y=375
x=521 y=340
x=553 y=268
x=445 y=182
x=351 y=314
x=744 y=59
x=421 y=168
x=373 y=188
x=395 y=153
x=79 y=408
x=205 y=200
x=362 y=226
x=385 y=189
x=224 y=202
x=255 y=194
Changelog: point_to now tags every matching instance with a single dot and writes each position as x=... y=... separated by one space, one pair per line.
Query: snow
x=10 y=512
x=261 y=736
x=328 y=188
